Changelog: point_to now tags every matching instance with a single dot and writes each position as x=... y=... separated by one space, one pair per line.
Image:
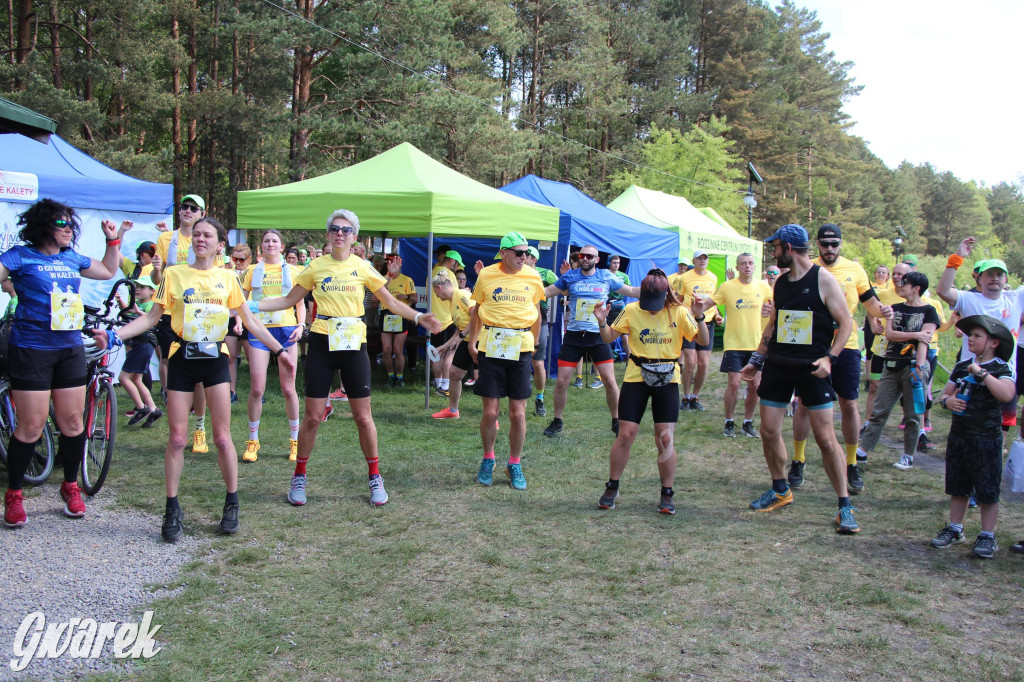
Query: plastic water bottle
x=918 y=387
x=965 y=392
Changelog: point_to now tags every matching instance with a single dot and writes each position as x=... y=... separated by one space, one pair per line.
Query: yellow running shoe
x=771 y=501
x=293 y=451
x=199 y=442
x=251 y=448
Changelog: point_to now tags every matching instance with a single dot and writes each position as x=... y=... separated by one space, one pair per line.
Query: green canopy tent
x=402 y=192
x=696 y=229
x=15 y=118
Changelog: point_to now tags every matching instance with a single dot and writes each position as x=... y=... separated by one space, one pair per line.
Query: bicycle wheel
x=101 y=426
x=41 y=464
x=7 y=421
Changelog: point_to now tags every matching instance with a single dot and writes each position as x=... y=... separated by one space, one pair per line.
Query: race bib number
x=275 y=318
x=346 y=333
x=205 y=322
x=504 y=343
x=66 y=312
x=585 y=309
x=795 y=327
x=392 y=324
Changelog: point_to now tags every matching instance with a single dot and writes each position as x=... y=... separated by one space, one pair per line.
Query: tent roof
x=15 y=118
x=592 y=223
x=76 y=179
x=402 y=192
x=713 y=214
x=696 y=230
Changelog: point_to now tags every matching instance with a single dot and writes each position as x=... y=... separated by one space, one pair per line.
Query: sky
x=942 y=81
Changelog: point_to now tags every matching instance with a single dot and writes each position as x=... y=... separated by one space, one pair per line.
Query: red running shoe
x=328 y=411
x=72 y=498
x=14 y=509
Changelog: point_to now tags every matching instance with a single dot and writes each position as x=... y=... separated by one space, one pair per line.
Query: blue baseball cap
x=792 y=234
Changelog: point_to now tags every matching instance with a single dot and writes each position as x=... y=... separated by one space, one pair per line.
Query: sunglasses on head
x=589 y=256
x=344 y=229
x=830 y=243
x=190 y=208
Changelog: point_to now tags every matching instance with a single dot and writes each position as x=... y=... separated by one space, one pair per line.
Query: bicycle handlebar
x=97 y=319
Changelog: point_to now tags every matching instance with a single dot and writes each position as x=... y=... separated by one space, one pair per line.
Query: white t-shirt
x=1008 y=309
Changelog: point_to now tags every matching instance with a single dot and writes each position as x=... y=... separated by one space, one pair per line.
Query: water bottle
x=918 y=388
x=965 y=392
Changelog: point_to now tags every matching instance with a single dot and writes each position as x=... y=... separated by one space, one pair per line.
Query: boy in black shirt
x=909 y=332
x=974 y=449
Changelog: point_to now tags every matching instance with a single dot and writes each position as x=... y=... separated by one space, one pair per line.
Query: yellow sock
x=798 y=450
x=851 y=453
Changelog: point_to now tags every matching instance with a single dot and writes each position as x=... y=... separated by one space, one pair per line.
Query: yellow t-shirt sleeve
x=235 y=296
x=305 y=279
x=372 y=279
x=247 y=278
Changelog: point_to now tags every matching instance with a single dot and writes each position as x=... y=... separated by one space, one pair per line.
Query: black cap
x=444 y=248
x=652 y=301
x=992 y=327
x=830 y=231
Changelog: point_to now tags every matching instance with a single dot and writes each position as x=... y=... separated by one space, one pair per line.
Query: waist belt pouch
x=657 y=373
x=202 y=350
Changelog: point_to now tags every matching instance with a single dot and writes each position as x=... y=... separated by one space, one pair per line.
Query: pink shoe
x=339 y=395
x=14 y=509
x=446 y=413
x=72 y=498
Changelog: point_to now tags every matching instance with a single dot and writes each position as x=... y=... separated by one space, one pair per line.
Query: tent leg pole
x=430 y=299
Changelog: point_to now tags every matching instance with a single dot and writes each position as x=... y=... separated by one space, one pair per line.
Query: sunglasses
x=239 y=260
x=830 y=244
x=61 y=223
x=189 y=208
x=520 y=253
x=772 y=273
x=589 y=256
x=344 y=229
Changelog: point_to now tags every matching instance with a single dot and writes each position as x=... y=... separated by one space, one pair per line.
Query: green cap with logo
x=145 y=281
x=454 y=255
x=510 y=241
x=990 y=264
x=910 y=259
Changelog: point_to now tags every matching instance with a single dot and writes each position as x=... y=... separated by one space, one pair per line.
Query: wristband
x=700 y=319
x=113 y=242
x=833 y=359
x=954 y=261
x=113 y=340
x=416 y=320
x=602 y=326
x=254 y=307
x=278 y=352
x=756 y=360
x=943 y=401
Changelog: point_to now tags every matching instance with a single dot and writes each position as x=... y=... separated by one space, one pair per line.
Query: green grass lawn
x=451 y=580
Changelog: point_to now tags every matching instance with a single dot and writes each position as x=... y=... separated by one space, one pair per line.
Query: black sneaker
x=615 y=426
x=985 y=547
x=441 y=391
x=854 y=481
x=923 y=444
x=730 y=430
x=229 y=521
x=750 y=431
x=140 y=415
x=607 y=500
x=153 y=416
x=555 y=427
x=539 y=407
x=796 y=474
x=947 y=537
x=684 y=405
x=1018 y=548
x=666 y=506
x=695 y=405
x=171 y=529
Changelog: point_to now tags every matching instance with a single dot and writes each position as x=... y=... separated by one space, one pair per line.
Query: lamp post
x=897 y=242
x=749 y=199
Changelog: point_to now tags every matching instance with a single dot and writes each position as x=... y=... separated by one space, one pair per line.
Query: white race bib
x=585 y=309
x=392 y=324
x=795 y=327
x=345 y=333
x=205 y=322
x=504 y=343
x=275 y=318
x=66 y=311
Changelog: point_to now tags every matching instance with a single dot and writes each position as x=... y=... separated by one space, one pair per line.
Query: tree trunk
x=176 y=114
x=58 y=74
x=193 y=89
x=10 y=32
x=302 y=80
x=27 y=22
x=87 y=86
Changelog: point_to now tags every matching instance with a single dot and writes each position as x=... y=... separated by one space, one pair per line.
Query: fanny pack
x=199 y=350
x=655 y=372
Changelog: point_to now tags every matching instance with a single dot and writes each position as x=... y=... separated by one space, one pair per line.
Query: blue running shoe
x=297 y=492
x=486 y=474
x=845 y=523
x=771 y=500
x=515 y=472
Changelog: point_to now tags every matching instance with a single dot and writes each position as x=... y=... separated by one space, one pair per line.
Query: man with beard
x=586 y=287
x=853 y=281
x=797 y=351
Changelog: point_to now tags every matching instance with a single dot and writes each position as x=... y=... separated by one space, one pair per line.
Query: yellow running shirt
x=128 y=267
x=199 y=302
x=459 y=310
x=337 y=288
x=401 y=285
x=690 y=283
x=272 y=289
x=854 y=282
x=508 y=301
x=163 y=245
x=655 y=336
x=743 y=321
x=441 y=308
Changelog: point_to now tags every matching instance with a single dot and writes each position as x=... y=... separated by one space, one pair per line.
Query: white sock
x=200 y=422
x=445 y=384
x=254 y=430
x=293 y=424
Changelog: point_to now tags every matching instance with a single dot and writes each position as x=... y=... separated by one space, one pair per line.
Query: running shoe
x=446 y=413
x=845 y=523
x=730 y=430
x=469 y=382
x=906 y=462
x=1018 y=548
x=139 y=415
x=947 y=537
x=695 y=404
x=796 y=474
x=171 y=529
x=399 y=383
x=985 y=547
x=131 y=412
x=539 y=407
x=338 y=395
x=666 y=506
x=597 y=383
x=854 y=479
x=607 y=500
x=861 y=455
x=328 y=411
x=229 y=519
x=153 y=416
x=684 y=405
x=293 y=450
x=234 y=397
x=972 y=503
x=927 y=428
x=485 y=476
x=515 y=474
x=378 y=496
x=578 y=383
x=903 y=424
x=924 y=444
x=615 y=425
x=71 y=496
x=443 y=392
x=771 y=500
x=297 y=491
x=554 y=428
x=750 y=431
x=199 y=445
x=14 y=509
x=251 y=448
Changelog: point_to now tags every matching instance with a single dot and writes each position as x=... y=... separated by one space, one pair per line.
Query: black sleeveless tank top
x=804 y=327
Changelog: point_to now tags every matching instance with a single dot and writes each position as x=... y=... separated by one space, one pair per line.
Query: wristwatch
x=832 y=358
x=278 y=352
x=943 y=402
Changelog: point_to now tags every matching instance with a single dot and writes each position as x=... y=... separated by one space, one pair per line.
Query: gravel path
x=96 y=567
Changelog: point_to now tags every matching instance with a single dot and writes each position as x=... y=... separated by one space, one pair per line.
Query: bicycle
x=41 y=464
